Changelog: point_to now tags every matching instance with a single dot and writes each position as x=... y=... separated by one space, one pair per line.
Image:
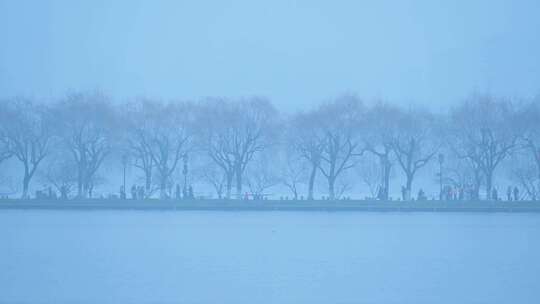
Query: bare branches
x=25 y=134
x=245 y=143
x=85 y=122
x=414 y=142
x=233 y=132
x=340 y=127
x=159 y=136
x=485 y=132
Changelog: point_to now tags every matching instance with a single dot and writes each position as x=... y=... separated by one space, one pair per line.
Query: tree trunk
x=311 y=183
x=148 y=180
x=489 y=185
x=386 y=176
x=163 y=188
x=26 y=182
x=476 y=192
x=79 y=186
x=238 y=184
x=229 y=185
x=331 y=188
x=408 y=187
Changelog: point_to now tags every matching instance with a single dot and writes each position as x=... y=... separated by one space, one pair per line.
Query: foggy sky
x=297 y=53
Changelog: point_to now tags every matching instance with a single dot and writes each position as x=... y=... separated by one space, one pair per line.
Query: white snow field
x=268 y=257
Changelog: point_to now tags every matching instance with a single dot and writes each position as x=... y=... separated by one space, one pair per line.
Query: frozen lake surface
x=268 y=257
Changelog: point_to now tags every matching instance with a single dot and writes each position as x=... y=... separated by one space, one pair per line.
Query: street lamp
x=124 y=163
x=441 y=161
x=185 y=172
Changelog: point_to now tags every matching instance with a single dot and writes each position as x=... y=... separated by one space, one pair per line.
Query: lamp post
x=124 y=163
x=441 y=161
x=185 y=172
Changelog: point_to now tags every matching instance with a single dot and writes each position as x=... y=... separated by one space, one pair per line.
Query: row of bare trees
x=237 y=143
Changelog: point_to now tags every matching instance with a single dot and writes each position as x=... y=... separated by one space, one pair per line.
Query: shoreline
x=273 y=205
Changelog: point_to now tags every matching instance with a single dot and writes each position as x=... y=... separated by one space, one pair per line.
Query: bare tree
x=370 y=173
x=261 y=175
x=463 y=173
x=293 y=170
x=215 y=137
x=521 y=169
x=86 y=125
x=414 y=143
x=378 y=141
x=484 y=132
x=27 y=132
x=138 y=118
x=344 y=183
x=528 y=122
x=340 y=123
x=211 y=174
x=5 y=151
x=233 y=132
x=162 y=139
x=62 y=174
x=305 y=136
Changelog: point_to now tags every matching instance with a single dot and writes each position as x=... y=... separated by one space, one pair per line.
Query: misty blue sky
x=297 y=53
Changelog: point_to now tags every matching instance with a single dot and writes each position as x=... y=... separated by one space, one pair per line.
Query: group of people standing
x=186 y=193
x=139 y=193
x=49 y=193
x=512 y=194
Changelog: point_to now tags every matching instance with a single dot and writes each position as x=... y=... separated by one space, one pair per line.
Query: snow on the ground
x=268 y=257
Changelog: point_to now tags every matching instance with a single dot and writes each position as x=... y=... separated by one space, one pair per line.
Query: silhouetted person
x=421 y=195
x=509 y=193
x=403 y=193
x=191 y=195
x=380 y=193
x=91 y=188
x=516 y=194
x=63 y=193
x=134 y=192
x=177 y=192
x=495 y=195
x=140 y=192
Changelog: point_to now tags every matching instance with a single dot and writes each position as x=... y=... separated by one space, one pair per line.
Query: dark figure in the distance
x=184 y=193
x=509 y=193
x=177 y=192
x=516 y=194
x=421 y=195
x=140 y=192
x=495 y=195
x=190 y=192
x=403 y=192
x=380 y=193
x=134 y=192
x=63 y=192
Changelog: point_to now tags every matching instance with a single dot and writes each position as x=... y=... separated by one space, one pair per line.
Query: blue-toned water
x=268 y=257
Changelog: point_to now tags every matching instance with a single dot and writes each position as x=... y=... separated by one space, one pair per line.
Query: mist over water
x=296 y=53
x=405 y=135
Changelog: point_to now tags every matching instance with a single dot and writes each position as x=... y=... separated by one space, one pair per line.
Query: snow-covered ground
x=268 y=257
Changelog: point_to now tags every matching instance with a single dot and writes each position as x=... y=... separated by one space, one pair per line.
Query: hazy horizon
x=295 y=53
